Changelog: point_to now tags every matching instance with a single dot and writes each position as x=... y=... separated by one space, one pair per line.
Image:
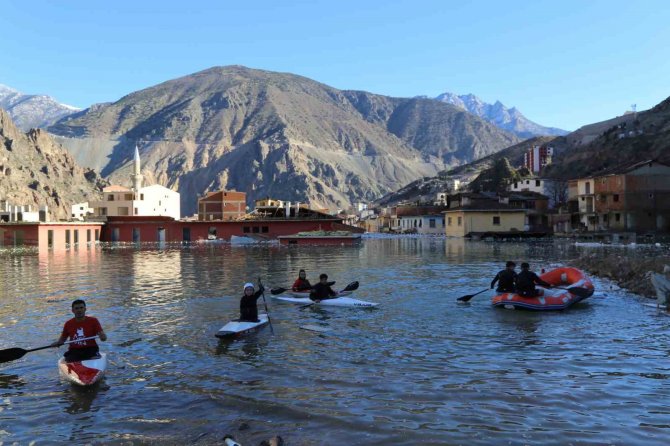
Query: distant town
x=617 y=205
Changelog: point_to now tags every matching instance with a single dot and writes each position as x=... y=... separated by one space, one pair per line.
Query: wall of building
x=482 y=221
x=54 y=235
x=146 y=230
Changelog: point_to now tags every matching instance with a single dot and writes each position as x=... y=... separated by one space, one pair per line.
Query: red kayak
x=579 y=287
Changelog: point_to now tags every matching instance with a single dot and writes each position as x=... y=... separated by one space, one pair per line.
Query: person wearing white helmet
x=248 y=308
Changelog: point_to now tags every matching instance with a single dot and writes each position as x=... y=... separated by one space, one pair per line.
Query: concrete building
x=481 y=220
x=632 y=198
x=22 y=213
x=155 y=200
x=537 y=157
x=222 y=205
x=81 y=210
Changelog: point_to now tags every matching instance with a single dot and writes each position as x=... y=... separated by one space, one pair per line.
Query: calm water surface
x=419 y=369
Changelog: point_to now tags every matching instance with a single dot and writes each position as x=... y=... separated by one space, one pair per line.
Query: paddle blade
x=275 y=291
x=581 y=292
x=353 y=286
x=12 y=354
x=466 y=298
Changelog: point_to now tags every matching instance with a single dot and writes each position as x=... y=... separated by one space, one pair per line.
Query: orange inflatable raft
x=550 y=299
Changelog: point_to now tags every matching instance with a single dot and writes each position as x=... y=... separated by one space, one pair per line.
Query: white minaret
x=137 y=175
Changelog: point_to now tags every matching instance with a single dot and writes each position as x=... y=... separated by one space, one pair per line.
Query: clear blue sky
x=562 y=63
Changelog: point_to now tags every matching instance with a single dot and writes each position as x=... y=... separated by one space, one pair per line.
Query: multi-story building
x=222 y=205
x=537 y=157
x=633 y=198
x=154 y=200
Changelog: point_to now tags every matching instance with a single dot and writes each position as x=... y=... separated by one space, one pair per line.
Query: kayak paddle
x=266 y=306
x=467 y=297
x=353 y=286
x=12 y=354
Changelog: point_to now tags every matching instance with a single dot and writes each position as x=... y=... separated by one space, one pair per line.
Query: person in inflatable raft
x=526 y=281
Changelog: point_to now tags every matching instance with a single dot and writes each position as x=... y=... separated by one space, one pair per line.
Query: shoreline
x=627 y=271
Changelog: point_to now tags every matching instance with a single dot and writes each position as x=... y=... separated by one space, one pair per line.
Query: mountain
x=32 y=111
x=509 y=119
x=275 y=134
x=36 y=170
x=426 y=189
x=624 y=140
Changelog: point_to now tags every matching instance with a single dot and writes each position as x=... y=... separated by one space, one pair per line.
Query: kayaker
x=248 y=308
x=506 y=278
x=81 y=326
x=301 y=283
x=526 y=281
x=322 y=290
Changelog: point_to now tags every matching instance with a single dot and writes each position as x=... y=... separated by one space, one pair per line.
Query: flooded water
x=418 y=369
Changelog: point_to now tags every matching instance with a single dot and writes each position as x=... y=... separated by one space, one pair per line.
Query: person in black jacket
x=322 y=290
x=248 y=308
x=506 y=278
x=526 y=281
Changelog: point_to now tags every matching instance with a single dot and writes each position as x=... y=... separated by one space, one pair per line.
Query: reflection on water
x=418 y=369
x=78 y=400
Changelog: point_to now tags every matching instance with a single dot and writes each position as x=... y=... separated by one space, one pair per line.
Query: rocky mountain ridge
x=32 y=111
x=509 y=119
x=275 y=134
x=35 y=170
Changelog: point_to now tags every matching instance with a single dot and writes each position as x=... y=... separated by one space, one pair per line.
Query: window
x=449 y=221
x=103 y=211
x=76 y=236
x=264 y=229
x=110 y=197
x=431 y=223
x=129 y=197
x=136 y=212
x=50 y=238
x=67 y=237
x=255 y=229
x=460 y=221
x=538 y=183
x=516 y=184
x=246 y=229
x=496 y=220
x=617 y=217
x=97 y=235
x=136 y=235
x=615 y=197
x=141 y=197
x=88 y=236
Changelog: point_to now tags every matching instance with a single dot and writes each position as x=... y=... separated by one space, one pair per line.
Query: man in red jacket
x=81 y=326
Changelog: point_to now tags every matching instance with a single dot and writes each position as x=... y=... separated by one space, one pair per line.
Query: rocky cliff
x=275 y=134
x=35 y=170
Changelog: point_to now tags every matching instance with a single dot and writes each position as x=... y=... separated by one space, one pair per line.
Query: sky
x=561 y=63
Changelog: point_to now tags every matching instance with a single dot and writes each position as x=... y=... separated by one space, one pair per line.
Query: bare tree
x=557 y=190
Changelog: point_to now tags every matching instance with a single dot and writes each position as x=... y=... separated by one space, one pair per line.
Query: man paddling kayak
x=526 y=280
x=301 y=283
x=248 y=308
x=506 y=278
x=79 y=327
x=322 y=290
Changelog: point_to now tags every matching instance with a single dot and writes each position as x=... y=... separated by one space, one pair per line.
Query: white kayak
x=335 y=302
x=237 y=328
x=305 y=294
x=83 y=373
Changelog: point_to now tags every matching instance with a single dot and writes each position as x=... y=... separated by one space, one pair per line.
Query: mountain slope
x=36 y=170
x=32 y=111
x=509 y=119
x=623 y=140
x=275 y=134
x=426 y=189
